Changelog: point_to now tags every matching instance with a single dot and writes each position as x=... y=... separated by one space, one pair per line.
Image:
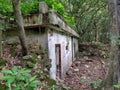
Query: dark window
x=118 y=2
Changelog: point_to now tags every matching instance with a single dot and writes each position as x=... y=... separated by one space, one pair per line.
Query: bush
x=16 y=79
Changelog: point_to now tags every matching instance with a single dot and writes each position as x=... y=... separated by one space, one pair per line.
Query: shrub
x=19 y=79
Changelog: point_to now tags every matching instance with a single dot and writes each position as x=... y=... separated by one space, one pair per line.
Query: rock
x=50 y=81
x=39 y=56
x=18 y=46
x=69 y=72
x=87 y=66
x=76 y=70
x=102 y=62
x=77 y=63
x=30 y=65
x=85 y=57
x=89 y=60
x=81 y=59
x=84 y=77
x=27 y=57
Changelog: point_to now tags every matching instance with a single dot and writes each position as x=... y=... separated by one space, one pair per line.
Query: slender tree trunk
x=20 y=26
x=96 y=35
x=96 y=32
x=0 y=42
x=0 y=38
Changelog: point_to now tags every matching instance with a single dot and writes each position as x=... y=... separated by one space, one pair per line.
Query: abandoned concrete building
x=51 y=32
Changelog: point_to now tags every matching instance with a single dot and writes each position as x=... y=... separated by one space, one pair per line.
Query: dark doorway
x=58 y=60
x=74 y=50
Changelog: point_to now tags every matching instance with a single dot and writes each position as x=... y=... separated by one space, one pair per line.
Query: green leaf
x=23 y=71
x=5 y=77
x=20 y=84
x=26 y=78
x=21 y=78
x=14 y=70
x=11 y=80
x=7 y=72
x=17 y=88
x=8 y=85
x=117 y=86
x=33 y=78
x=34 y=83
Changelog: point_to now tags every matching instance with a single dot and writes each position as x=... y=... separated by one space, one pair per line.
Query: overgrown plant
x=59 y=8
x=19 y=79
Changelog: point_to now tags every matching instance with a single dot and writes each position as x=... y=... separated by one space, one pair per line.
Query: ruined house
x=51 y=32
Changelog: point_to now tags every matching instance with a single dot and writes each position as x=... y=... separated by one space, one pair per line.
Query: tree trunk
x=113 y=73
x=0 y=42
x=96 y=35
x=96 y=32
x=0 y=38
x=118 y=28
x=20 y=26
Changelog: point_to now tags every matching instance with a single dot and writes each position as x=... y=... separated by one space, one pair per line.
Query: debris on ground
x=86 y=70
x=90 y=66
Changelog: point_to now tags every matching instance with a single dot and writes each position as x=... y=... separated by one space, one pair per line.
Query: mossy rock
x=50 y=81
x=30 y=58
x=30 y=65
x=2 y=62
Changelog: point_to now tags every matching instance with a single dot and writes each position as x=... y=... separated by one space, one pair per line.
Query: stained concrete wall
x=55 y=19
x=66 y=55
x=32 y=37
x=37 y=37
x=33 y=20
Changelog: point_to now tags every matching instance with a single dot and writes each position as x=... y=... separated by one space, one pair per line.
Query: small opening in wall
x=67 y=47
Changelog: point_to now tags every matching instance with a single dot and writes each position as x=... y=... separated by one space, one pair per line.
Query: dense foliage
x=89 y=17
x=27 y=6
x=16 y=79
x=60 y=9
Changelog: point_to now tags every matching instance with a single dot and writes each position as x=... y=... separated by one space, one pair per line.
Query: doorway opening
x=58 y=60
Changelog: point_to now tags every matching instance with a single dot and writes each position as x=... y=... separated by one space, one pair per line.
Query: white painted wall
x=66 y=55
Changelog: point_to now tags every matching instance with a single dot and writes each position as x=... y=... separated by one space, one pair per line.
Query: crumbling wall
x=32 y=37
x=66 y=52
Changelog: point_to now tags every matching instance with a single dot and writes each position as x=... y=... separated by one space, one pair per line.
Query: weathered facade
x=51 y=32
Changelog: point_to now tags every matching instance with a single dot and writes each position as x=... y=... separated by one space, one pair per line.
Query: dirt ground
x=86 y=69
